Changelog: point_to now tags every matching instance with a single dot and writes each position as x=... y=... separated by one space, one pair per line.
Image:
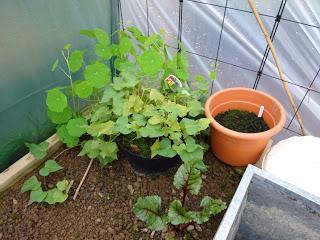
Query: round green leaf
x=77 y=127
x=97 y=74
x=56 y=100
x=102 y=36
x=75 y=60
x=66 y=138
x=83 y=89
x=103 y=51
x=150 y=62
x=60 y=117
x=125 y=45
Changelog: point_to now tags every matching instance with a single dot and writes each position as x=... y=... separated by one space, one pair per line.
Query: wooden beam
x=26 y=164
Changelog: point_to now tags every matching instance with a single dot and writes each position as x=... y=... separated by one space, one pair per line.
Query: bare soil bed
x=103 y=209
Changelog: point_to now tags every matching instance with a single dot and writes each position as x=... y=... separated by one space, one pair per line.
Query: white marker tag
x=261 y=111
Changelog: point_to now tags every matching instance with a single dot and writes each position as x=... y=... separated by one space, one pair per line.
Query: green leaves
x=125 y=45
x=39 y=151
x=96 y=129
x=102 y=36
x=106 y=152
x=212 y=75
x=175 y=109
x=66 y=138
x=194 y=127
x=165 y=149
x=196 y=108
x=122 y=125
x=49 y=167
x=150 y=62
x=151 y=131
x=88 y=33
x=97 y=74
x=156 y=96
x=55 y=195
x=177 y=214
x=77 y=127
x=103 y=51
x=37 y=196
x=188 y=177
x=75 y=61
x=154 y=148
x=182 y=74
x=148 y=209
x=31 y=184
x=91 y=148
x=191 y=154
x=83 y=89
x=56 y=100
x=55 y=65
x=60 y=117
x=209 y=207
x=59 y=194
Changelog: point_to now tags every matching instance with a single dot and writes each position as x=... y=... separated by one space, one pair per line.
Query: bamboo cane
x=276 y=59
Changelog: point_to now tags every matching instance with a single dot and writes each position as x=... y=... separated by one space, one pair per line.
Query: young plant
x=58 y=194
x=138 y=102
x=178 y=218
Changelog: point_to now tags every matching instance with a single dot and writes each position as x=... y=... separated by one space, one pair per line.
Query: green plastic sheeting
x=32 y=33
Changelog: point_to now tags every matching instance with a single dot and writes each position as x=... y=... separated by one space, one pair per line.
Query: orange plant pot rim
x=246 y=136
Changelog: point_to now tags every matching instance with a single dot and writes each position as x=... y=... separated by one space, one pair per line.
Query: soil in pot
x=242 y=121
x=139 y=146
x=103 y=209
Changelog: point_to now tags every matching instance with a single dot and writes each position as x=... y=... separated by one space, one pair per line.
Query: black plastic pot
x=149 y=166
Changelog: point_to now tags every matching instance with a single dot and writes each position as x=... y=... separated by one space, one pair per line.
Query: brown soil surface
x=103 y=209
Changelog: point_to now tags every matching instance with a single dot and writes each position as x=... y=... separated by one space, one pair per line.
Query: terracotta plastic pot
x=236 y=148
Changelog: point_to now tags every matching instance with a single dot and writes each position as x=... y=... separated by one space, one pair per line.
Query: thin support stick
x=82 y=180
x=277 y=62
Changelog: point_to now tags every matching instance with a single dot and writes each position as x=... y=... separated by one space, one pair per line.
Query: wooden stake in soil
x=82 y=180
x=277 y=62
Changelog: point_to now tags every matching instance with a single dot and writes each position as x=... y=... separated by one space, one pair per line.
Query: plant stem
x=44 y=183
x=64 y=151
x=184 y=195
x=70 y=78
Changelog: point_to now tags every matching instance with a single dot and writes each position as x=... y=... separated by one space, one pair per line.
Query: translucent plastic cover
x=225 y=34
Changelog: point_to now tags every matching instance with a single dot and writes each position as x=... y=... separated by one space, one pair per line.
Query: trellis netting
x=223 y=34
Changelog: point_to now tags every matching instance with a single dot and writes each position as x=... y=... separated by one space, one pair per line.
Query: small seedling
x=58 y=194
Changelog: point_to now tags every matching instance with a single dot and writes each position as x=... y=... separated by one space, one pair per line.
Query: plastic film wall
x=224 y=34
x=32 y=33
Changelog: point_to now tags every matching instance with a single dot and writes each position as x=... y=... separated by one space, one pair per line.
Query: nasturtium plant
x=38 y=151
x=57 y=194
x=136 y=100
x=50 y=166
x=54 y=195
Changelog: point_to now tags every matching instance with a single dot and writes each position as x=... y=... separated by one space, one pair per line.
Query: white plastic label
x=261 y=111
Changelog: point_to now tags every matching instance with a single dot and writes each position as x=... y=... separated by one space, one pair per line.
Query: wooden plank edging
x=26 y=164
